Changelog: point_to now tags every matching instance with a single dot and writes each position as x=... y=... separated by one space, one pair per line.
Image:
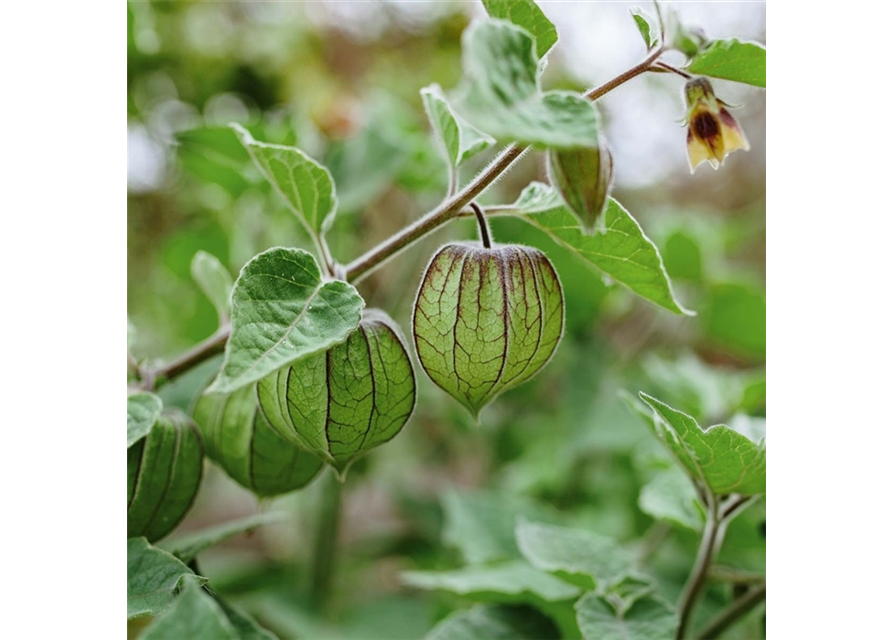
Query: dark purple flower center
x=705 y=126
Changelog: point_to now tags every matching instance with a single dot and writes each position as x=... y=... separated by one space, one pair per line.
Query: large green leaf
x=670 y=496
x=458 y=139
x=719 y=458
x=573 y=551
x=732 y=60
x=623 y=252
x=647 y=618
x=186 y=548
x=527 y=15
x=489 y=622
x=143 y=410
x=195 y=616
x=482 y=524
x=514 y=581
x=503 y=97
x=153 y=578
x=306 y=185
x=283 y=311
x=214 y=281
x=246 y=627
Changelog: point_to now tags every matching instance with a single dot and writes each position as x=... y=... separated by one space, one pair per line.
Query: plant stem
x=326 y=543
x=452 y=206
x=198 y=354
x=710 y=542
x=664 y=65
x=733 y=612
x=482 y=225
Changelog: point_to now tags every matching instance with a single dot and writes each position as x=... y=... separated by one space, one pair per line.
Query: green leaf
x=186 y=548
x=649 y=31
x=623 y=252
x=720 y=459
x=342 y=403
x=514 y=581
x=243 y=443
x=153 y=578
x=458 y=139
x=143 y=410
x=195 y=616
x=732 y=60
x=624 y=592
x=482 y=524
x=246 y=627
x=503 y=97
x=488 y=622
x=214 y=281
x=648 y=618
x=283 y=311
x=527 y=15
x=573 y=551
x=306 y=185
x=670 y=496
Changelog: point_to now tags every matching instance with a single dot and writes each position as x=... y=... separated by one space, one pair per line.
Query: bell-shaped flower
x=712 y=131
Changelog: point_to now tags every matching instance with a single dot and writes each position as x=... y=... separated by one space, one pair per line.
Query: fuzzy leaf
x=487 y=622
x=195 y=616
x=648 y=618
x=214 y=281
x=153 y=577
x=670 y=496
x=512 y=582
x=503 y=97
x=283 y=311
x=573 y=551
x=623 y=252
x=527 y=15
x=306 y=185
x=732 y=60
x=458 y=139
x=649 y=32
x=143 y=410
x=719 y=458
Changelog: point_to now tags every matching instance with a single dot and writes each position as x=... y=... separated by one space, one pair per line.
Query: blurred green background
x=341 y=81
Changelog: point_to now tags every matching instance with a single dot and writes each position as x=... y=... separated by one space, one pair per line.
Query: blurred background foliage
x=341 y=81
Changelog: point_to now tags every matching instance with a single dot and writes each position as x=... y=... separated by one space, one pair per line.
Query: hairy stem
x=326 y=543
x=452 y=206
x=731 y=614
x=710 y=543
x=195 y=356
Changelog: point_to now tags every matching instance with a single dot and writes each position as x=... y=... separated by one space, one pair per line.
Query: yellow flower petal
x=698 y=152
x=732 y=135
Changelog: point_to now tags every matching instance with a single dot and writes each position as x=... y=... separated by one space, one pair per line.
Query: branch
x=710 y=542
x=728 y=616
x=195 y=356
x=452 y=207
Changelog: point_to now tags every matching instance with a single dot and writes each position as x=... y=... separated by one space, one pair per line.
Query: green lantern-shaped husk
x=583 y=178
x=164 y=470
x=241 y=441
x=341 y=403
x=486 y=319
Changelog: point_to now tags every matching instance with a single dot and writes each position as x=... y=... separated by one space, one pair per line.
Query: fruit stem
x=482 y=224
x=326 y=543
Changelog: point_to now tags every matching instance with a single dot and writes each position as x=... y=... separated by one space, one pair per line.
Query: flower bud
x=343 y=402
x=486 y=319
x=241 y=441
x=583 y=178
x=164 y=470
x=712 y=131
